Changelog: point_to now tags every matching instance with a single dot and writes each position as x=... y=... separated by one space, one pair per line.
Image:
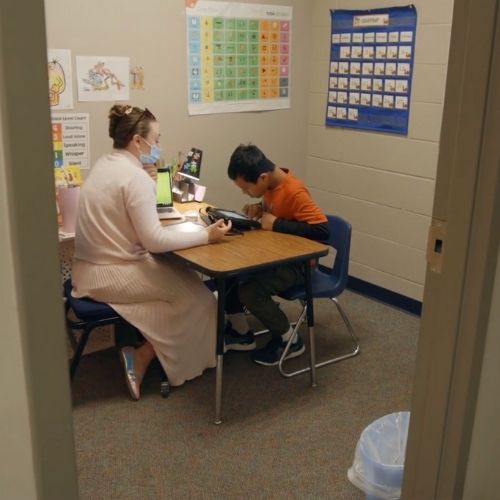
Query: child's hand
x=254 y=211
x=152 y=171
x=218 y=230
x=267 y=221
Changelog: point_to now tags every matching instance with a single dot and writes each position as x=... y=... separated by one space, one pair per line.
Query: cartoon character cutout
x=137 y=73
x=57 y=81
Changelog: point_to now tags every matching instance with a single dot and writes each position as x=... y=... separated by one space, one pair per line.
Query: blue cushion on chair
x=87 y=309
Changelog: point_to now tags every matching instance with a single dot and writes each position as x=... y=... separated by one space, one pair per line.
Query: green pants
x=256 y=293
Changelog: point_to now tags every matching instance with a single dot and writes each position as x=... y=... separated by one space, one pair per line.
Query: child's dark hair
x=126 y=121
x=248 y=162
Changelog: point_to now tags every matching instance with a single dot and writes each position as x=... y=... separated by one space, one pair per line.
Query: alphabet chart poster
x=238 y=57
x=371 y=68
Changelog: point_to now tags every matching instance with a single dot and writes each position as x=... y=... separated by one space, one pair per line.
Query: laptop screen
x=163 y=188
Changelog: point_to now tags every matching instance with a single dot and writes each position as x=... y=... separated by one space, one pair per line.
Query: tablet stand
x=183 y=191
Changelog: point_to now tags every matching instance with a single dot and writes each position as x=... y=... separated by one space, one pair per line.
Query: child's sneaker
x=234 y=341
x=272 y=352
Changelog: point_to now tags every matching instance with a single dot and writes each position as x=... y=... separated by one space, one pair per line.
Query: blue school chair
x=89 y=315
x=327 y=283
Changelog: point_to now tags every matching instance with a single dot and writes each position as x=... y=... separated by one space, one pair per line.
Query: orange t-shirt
x=291 y=201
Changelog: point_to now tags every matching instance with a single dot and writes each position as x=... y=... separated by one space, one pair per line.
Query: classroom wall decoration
x=60 y=79
x=238 y=57
x=371 y=68
x=137 y=74
x=102 y=78
x=70 y=139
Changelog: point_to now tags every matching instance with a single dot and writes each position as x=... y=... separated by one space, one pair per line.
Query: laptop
x=164 y=198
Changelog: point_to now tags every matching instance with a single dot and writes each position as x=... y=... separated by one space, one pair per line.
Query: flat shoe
x=132 y=379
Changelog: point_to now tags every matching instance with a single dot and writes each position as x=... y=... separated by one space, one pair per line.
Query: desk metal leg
x=218 y=389
x=221 y=302
x=310 y=321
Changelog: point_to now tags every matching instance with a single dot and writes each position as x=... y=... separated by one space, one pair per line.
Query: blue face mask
x=152 y=157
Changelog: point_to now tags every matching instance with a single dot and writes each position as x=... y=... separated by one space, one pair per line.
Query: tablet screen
x=229 y=214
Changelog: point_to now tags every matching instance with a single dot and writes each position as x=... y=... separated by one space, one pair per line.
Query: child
x=286 y=207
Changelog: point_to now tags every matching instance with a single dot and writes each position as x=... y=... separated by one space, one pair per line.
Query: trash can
x=379 y=458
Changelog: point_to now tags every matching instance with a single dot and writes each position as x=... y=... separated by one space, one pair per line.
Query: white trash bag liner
x=380 y=454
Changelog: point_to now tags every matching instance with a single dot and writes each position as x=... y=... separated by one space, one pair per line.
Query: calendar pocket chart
x=371 y=61
x=238 y=57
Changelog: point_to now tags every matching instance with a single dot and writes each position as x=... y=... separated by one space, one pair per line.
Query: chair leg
x=336 y=359
x=164 y=388
x=295 y=331
x=349 y=329
x=293 y=325
x=69 y=331
x=79 y=351
x=71 y=337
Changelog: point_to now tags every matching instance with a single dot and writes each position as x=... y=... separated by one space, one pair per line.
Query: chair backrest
x=340 y=239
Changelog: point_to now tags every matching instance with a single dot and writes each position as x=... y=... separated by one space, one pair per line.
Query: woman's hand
x=267 y=221
x=254 y=210
x=217 y=230
x=152 y=171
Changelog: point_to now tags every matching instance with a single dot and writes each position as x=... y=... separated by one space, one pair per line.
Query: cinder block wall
x=382 y=183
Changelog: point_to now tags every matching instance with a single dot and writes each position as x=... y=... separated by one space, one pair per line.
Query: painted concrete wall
x=382 y=183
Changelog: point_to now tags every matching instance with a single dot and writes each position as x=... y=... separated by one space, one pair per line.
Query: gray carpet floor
x=280 y=438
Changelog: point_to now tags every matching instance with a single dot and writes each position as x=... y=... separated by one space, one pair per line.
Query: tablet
x=239 y=220
x=229 y=214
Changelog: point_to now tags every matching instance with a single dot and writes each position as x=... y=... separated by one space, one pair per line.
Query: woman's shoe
x=132 y=378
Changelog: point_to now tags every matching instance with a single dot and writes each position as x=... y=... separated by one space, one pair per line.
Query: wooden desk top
x=254 y=249
x=190 y=205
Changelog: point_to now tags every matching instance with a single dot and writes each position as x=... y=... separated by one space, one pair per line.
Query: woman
x=118 y=235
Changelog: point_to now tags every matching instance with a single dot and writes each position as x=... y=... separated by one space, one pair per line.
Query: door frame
x=457 y=299
x=34 y=364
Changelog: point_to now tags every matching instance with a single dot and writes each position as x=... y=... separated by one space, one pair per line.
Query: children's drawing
x=102 y=78
x=60 y=79
x=137 y=73
x=57 y=81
